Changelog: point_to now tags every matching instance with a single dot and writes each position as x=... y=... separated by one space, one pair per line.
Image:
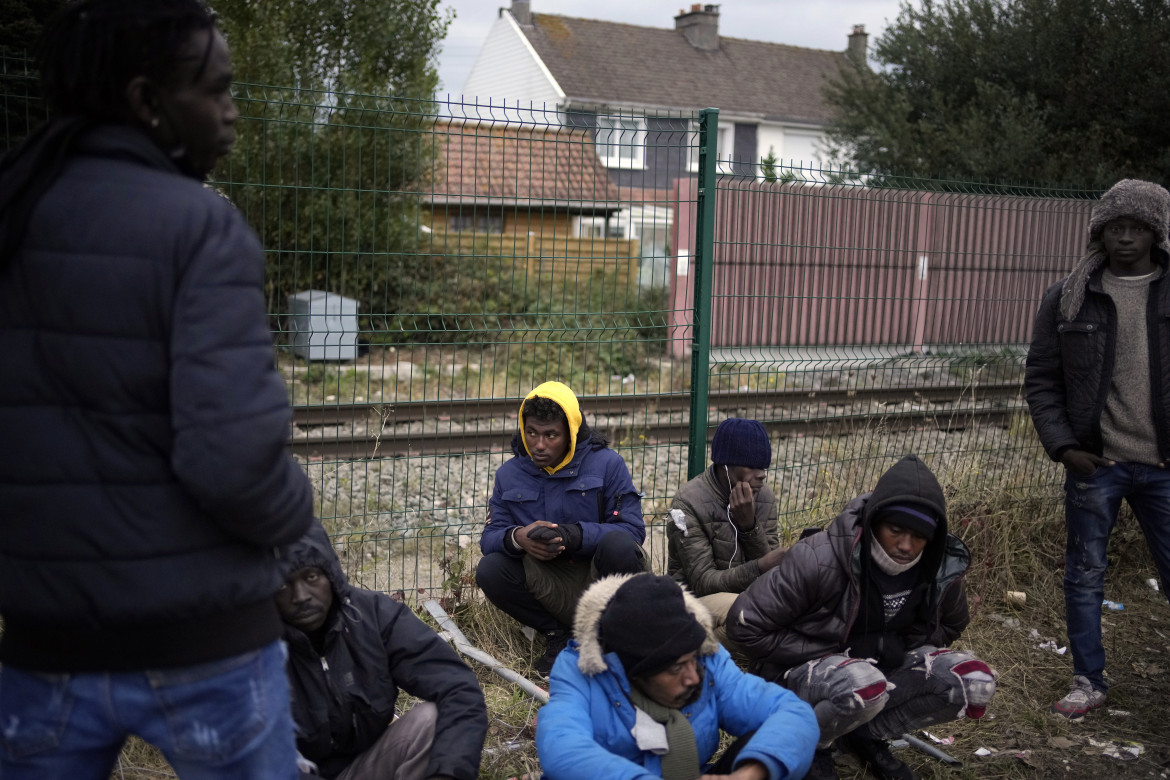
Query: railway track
x=379 y=430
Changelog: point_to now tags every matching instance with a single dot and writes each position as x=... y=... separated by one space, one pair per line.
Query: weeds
x=1016 y=535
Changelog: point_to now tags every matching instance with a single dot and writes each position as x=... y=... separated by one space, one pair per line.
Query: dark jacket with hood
x=144 y=476
x=343 y=698
x=808 y=606
x=1074 y=337
x=590 y=487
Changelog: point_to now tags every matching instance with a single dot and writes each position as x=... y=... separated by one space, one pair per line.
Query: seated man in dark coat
x=564 y=512
x=349 y=650
x=723 y=534
x=856 y=621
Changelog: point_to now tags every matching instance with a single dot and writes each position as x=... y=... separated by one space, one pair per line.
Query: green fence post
x=703 y=255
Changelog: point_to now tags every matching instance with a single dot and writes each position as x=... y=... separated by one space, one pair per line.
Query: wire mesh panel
x=21 y=107
x=487 y=249
x=430 y=263
x=864 y=320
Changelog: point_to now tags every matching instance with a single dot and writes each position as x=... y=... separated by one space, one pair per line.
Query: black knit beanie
x=648 y=625
x=740 y=442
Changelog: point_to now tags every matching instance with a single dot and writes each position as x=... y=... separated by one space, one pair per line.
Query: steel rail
x=458 y=409
x=487 y=439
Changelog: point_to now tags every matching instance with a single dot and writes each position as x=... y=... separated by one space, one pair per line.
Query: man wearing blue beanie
x=722 y=534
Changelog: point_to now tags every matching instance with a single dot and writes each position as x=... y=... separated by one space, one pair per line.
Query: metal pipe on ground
x=471 y=651
x=931 y=750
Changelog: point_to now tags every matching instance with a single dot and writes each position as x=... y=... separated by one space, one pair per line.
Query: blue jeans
x=1090 y=505
x=224 y=720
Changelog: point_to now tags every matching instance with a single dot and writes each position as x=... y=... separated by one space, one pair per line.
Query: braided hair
x=94 y=48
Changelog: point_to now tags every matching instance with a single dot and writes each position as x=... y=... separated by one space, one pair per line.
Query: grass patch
x=1017 y=540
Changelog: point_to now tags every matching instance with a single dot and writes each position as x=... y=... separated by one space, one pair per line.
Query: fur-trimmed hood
x=1144 y=201
x=592 y=656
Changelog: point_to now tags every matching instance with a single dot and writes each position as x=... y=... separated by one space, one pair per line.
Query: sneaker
x=554 y=643
x=822 y=767
x=1080 y=700
x=875 y=756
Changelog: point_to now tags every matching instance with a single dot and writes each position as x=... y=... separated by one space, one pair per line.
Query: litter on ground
x=1124 y=751
x=939 y=740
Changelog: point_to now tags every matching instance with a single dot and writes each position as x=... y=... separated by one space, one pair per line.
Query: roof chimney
x=858 y=43
x=700 y=25
x=522 y=11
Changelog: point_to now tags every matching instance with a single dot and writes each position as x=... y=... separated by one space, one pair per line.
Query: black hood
x=909 y=482
x=315 y=549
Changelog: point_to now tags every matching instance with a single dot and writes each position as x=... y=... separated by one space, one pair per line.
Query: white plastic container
x=324 y=325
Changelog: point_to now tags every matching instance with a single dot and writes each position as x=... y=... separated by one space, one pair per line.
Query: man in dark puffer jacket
x=144 y=476
x=349 y=650
x=856 y=621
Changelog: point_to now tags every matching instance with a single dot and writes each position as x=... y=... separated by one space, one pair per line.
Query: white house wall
x=507 y=69
x=798 y=146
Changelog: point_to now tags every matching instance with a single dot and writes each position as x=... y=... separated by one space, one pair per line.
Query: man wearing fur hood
x=1098 y=389
x=563 y=513
x=857 y=618
x=644 y=689
x=349 y=651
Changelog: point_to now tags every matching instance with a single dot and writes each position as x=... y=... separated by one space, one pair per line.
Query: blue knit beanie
x=740 y=442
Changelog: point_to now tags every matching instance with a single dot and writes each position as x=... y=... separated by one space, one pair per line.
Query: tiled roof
x=514 y=164
x=623 y=64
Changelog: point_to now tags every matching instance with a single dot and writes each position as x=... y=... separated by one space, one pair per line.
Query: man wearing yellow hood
x=563 y=513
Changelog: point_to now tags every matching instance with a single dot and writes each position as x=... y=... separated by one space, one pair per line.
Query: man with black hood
x=563 y=513
x=349 y=651
x=1099 y=396
x=857 y=618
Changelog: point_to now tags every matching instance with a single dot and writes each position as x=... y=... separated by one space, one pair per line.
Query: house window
x=621 y=141
x=478 y=223
x=724 y=146
x=596 y=227
x=798 y=156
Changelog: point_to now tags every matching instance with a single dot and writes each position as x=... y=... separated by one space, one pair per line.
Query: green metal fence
x=481 y=249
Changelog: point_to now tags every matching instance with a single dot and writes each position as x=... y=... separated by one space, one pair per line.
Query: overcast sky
x=818 y=24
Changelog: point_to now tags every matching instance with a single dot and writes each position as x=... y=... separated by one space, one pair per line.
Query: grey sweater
x=1127 y=422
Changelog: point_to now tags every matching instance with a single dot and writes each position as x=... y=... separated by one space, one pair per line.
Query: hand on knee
x=971 y=681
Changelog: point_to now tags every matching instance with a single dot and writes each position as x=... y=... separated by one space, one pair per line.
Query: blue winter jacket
x=583 y=733
x=144 y=475
x=593 y=490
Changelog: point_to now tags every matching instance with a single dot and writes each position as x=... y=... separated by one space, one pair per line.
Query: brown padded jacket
x=805 y=607
x=712 y=556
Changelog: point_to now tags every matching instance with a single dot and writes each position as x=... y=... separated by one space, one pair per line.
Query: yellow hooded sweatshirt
x=562 y=396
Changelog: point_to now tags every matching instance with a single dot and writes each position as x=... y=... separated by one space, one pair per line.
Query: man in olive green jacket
x=722 y=534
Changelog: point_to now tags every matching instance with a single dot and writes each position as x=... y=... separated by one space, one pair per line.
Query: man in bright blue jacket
x=645 y=688
x=563 y=513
